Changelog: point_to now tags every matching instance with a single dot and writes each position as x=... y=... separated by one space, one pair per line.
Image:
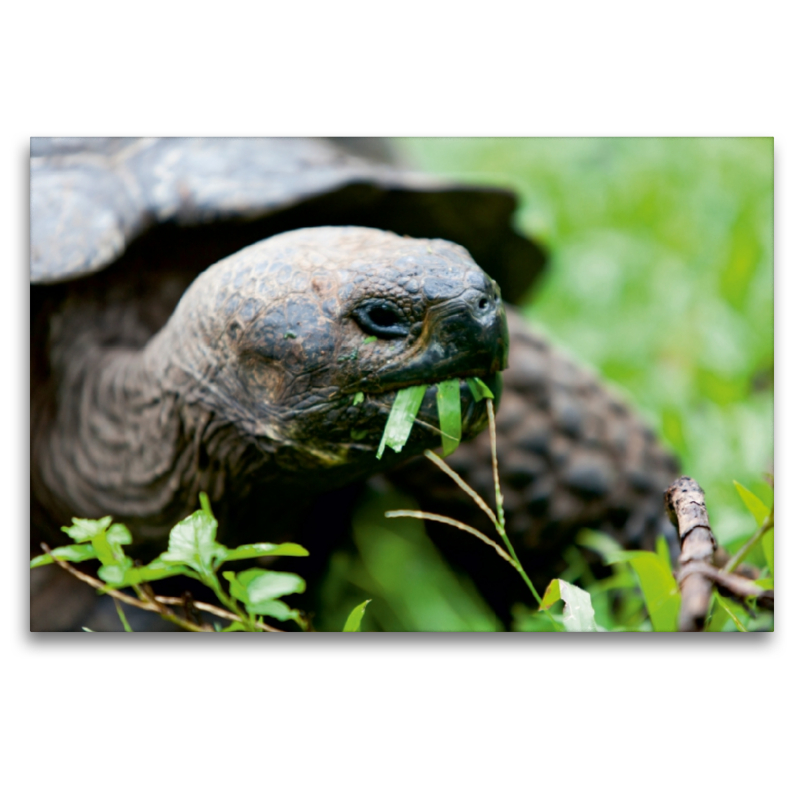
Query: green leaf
x=258 y=588
x=234 y=627
x=257 y=585
x=662 y=550
x=718 y=617
x=401 y=418
x=353 y=624
x=768 y=545
x=726 y=606
x=448 y=403
x=480 y=391
x=83 y=529
x=754 y=505
x=265 y=549
x=70 y=552
x=276 y=609
x=600 y=543
x=193 y=542
x=157 y=569
x=358 y=397
x=658 y=586
x=113 y=573
x=108 y=545
x=578 y=612
x=370 y=339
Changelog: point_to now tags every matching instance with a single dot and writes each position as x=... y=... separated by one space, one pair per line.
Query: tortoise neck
x=124 y=442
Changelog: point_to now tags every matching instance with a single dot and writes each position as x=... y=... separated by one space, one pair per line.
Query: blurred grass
x=660 y=278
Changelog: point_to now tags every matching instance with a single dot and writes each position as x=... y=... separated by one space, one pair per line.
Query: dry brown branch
x=734 y=585
x=685 y=504
x=157 y=603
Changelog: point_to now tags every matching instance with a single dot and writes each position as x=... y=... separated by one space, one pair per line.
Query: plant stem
x=210 y=579
x=156 y=604
x=500 y=523
x=769 y=523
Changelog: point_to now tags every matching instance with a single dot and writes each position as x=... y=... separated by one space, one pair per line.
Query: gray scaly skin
x=250 y=385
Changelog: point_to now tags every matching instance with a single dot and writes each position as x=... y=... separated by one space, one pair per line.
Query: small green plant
x=194 y=552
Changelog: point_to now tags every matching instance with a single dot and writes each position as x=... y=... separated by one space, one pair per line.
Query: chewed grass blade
x=480 y=391
x=448 y=403
x=401 y=418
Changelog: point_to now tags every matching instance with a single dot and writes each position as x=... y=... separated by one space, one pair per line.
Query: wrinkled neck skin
x=134 y=435
x=139 y=429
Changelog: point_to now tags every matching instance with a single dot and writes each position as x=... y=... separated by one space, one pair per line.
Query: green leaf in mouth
x=479 y=389
x=448 y=403
x=401 y=418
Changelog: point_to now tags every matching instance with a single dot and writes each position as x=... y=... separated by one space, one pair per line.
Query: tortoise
x=205 y=313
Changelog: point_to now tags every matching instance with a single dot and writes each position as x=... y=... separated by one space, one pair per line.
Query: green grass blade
x=353 y=624
x=122 y=618
x=448 y=403
x=754 y=505
x=401 y=418
x=480 y=391
x=726 y=606
x=658 y=585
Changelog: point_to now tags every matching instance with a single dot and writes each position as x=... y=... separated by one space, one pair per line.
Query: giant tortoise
x=205 y=311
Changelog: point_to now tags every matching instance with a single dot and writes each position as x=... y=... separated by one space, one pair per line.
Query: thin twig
x=736 y=586
x=216 y=610
x=501 y=521
x=444 y=467
x=454 y=523
x=147 y=605
x=768 y=524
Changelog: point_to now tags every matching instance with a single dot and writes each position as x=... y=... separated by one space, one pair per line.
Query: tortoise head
x=303 y=340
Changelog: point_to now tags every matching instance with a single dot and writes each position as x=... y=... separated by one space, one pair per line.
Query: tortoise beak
x=466 y=335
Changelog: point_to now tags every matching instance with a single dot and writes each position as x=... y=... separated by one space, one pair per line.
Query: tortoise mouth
x=374 y=409
x=493 y=380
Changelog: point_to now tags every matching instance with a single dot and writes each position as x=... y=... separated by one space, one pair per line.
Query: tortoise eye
x=381 y=318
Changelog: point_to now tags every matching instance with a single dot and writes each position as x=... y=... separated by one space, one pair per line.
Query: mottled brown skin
x=249 y=386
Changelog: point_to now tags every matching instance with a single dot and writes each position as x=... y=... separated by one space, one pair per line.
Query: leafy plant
x=195 y=553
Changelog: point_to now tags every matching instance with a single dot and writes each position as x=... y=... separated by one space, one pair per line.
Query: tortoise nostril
x=483 y=303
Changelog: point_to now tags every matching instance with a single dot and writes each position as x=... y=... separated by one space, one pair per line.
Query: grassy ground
x=661 y=279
